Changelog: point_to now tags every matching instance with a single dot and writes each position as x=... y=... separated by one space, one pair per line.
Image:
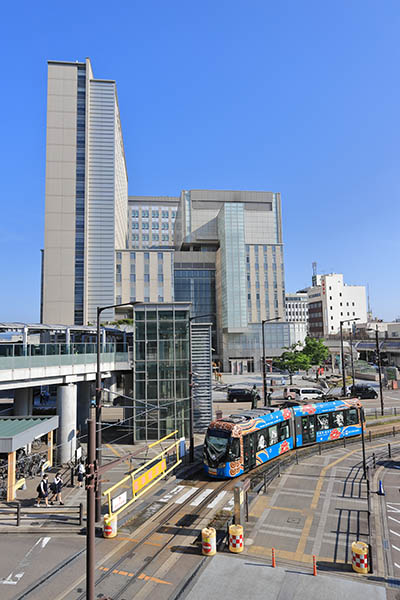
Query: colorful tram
x=250 y=438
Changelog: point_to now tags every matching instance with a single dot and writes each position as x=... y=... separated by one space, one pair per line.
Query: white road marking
x=216 y=500
x=394 y=532
x=202 y=496
x=190 y=491
x=395 y=547
x=230 y=504
x=396 y=565
x=391 y=508
x=393 y=519
x=174 y=492
x=14 y=577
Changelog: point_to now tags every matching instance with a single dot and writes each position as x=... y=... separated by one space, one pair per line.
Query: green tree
x=316 y=350
x=293 y=360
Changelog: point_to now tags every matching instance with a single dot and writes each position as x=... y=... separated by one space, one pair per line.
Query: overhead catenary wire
x=121 y=422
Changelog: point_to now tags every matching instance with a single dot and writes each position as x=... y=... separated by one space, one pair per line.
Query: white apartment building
x=296 y=306
x=334 y=301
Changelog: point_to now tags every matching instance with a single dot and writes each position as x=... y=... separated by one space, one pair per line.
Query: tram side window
x=322 y=421
x=273 y=435
x=283 y=431
x=351 y=416
x=262 y=439
x=235 y=449
x=338 y=419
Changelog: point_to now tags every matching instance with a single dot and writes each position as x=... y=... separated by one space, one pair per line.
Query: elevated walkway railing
x=19 y=356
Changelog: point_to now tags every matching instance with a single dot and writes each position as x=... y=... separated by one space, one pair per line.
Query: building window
x=119 y=255
x=133 y=277
x=160 y=256
x=160 y=277
x=146 y=277
x=146 y=255
x=118 y=299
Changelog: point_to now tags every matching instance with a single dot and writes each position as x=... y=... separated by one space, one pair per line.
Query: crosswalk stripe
x=201 y=497
x=394 y=532
x=229 y=506
x=216 y=500
x=177 y=489
x=187 y=495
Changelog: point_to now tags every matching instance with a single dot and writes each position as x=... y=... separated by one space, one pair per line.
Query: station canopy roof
x=16 y=432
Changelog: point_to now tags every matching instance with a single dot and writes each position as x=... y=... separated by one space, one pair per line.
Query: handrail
x=154 y=474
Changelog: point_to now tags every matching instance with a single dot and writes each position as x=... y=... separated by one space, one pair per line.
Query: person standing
x=43 y=491
x=56 y=488
x=81 y=473
x=254 y=397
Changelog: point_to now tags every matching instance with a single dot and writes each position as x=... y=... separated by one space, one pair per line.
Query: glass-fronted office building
x=161 y=370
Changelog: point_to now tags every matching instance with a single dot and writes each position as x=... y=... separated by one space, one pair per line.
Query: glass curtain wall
x=161 y=372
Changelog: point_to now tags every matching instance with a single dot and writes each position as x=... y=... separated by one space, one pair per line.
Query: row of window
x=154 y=225
x=155 y=237
x=272 y=435
x=341 y=418
x=155 y=214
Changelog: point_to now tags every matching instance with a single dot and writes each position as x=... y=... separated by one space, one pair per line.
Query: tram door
x=249 y=451
x=308 y=429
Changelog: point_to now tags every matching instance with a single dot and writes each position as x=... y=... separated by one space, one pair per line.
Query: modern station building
x=220 y=250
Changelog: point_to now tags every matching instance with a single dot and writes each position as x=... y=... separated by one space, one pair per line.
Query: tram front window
x=216 y=444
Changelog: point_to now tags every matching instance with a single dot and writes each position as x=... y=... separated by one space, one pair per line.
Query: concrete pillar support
x=66 y=433
x=23 y=400
x=111 y=384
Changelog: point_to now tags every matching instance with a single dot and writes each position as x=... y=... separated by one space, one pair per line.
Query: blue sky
x=300 y=98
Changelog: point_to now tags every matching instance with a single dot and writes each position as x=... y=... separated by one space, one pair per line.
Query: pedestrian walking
x=43 y=491
x=56 y=488
x=81 y=473
x=254 y=397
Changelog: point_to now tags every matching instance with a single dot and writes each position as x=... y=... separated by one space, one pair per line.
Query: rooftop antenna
x=369 y=314
x=314 y=274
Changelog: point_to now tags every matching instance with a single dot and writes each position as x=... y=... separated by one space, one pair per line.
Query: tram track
x=199 y=512
x=163 y=517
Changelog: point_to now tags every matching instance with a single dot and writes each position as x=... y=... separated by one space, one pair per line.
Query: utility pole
x=90 y=520
x=378 y=352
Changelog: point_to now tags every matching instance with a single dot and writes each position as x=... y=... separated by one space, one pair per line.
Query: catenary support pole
x=90 y=526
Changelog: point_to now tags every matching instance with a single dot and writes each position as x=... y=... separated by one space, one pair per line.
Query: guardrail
x=18 y=514
x=144 y=477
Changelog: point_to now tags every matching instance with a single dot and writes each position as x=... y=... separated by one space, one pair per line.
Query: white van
x=305 y=393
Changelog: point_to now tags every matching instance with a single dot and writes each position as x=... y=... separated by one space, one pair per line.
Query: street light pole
x=351 y=356
x=263 y=359
x=342 y=354
x=99 y=399
x=342 y=360
x=191 y=412
x=378 y=356
x=378 y=352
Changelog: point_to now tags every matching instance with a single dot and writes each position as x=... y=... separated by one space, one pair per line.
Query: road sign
x=118 y=501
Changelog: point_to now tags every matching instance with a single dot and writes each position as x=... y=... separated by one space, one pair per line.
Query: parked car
x=241 y=395
x=363 y=391
x=308 y=393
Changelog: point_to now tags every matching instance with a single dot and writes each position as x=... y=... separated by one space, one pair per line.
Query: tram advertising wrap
x=248 y=439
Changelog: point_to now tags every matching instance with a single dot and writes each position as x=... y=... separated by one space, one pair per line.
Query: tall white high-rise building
x=86 y=214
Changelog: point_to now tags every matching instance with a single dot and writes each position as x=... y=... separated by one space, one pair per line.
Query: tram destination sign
x=118 y=501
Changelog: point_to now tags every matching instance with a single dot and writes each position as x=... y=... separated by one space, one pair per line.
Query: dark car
x=241 y=395
x=365 y=392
